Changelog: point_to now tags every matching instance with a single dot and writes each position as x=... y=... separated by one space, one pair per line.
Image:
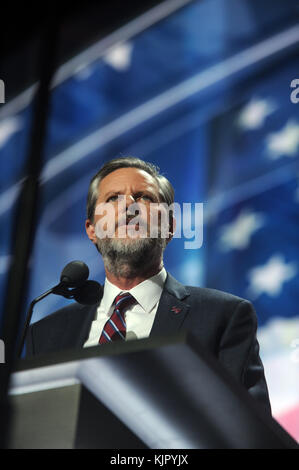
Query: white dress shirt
x=139 y=317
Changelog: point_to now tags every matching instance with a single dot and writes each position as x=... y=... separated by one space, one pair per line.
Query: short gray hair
x=165 y=187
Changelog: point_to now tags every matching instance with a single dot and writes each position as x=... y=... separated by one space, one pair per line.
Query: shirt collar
x=147 y=293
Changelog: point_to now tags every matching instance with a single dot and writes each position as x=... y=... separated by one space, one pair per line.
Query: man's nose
x=129 y=200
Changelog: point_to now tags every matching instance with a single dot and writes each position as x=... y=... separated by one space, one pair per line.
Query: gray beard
x=132 y=258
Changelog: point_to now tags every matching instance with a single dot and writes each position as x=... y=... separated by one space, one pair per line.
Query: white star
x=284 y=142
x=8 y=127
x=237 y=234
x=254 y=113
x=270 y=277
x=119 y=56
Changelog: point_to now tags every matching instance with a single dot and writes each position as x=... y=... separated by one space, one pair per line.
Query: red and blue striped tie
x=115 y=327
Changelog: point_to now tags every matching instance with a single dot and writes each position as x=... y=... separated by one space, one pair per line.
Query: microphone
x=74 y=274
x=73 y=285
x=89 y=293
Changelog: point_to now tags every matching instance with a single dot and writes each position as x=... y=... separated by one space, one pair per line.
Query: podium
x=159 y=393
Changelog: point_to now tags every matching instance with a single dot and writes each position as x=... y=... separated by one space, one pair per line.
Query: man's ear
x=172 y=227
x=90 y=230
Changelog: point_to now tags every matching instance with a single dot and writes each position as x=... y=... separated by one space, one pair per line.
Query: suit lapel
x=172 y=308
x=88 y=315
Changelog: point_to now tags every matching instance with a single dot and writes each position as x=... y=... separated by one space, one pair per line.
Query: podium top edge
x=115 y=348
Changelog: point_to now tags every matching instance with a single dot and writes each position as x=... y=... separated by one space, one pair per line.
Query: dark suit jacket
x=224 y=324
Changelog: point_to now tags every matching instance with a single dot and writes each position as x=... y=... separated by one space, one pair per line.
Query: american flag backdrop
x=204 y=93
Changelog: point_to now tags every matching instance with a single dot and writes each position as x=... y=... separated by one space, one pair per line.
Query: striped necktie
x=115 y=327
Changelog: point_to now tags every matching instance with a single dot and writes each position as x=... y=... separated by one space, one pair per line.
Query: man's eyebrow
x=147 y=193
x=110 y=193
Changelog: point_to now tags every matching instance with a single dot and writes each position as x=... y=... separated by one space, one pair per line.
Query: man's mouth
x=131 y=229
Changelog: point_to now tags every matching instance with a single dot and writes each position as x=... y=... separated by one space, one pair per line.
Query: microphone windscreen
x=89 y=293
x=74 y=274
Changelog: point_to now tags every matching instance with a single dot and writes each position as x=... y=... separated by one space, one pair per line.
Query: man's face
x=127 y=206
x=123 y=194
x=131 y=241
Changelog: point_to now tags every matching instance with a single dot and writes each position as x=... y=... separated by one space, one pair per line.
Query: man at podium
x=140 y=298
